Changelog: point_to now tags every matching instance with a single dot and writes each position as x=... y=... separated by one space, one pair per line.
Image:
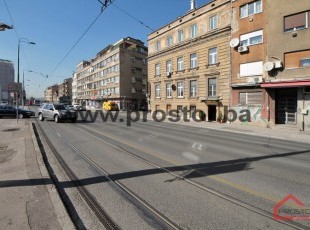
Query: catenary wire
x=133 y=17
x=77 y=42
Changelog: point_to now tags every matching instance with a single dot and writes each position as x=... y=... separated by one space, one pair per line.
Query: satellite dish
x=268 y=66
x=234 y=42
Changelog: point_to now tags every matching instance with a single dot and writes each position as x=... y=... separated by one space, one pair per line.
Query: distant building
x=6 y=78
x=51 y=94
x=65 y=91
x=118 y=73
x=74 y=88
x=189 y=62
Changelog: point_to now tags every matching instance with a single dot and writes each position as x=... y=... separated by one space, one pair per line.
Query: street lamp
x=5 y=26
x=19 y=41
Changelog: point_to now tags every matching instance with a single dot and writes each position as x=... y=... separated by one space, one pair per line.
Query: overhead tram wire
x=15 y=30
x=80 y=38
x=133 y=17
x=10 y=15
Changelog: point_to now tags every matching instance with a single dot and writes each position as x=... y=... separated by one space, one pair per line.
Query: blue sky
x=55 y=26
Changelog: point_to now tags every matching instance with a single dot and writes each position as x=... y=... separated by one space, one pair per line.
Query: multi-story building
x=288 y=63
x=248 y=53
x=270 y=61
x=65 y=91
x=74 y=88
x=6 y=78
x=189 y=61
x=118 y=73
x=51 y=94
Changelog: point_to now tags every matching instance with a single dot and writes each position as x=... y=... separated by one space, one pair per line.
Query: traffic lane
x=119 y=206
x=240 y=174
x=186 y=205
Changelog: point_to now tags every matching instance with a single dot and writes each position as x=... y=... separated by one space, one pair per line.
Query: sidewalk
x=28 y=199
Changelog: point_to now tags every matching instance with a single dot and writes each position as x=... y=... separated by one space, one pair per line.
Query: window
x=250 y=98
x=213 y=22
x=169 y=67
x=194 y=31
x=251 y=8
x=180 y=36
x=157 y=90
x=157 y=46
x=169 y=41
x=297 y=59
x=251 y=69
x=193 y=61
x=212 y=56
x=157 y=69
x=168 y=90
x=297 y=21
x=180 y=88
x=305 y=62
x=193 y=88
x=180 y=64
x=251 y=38
x=212 y=82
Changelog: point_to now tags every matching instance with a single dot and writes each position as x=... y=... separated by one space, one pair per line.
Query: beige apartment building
x=51 y=94
x=65 y=91
x=189 y=61
x=118 y=73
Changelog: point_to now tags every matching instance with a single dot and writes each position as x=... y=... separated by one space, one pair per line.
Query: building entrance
x=286 y=106
x=211 y=112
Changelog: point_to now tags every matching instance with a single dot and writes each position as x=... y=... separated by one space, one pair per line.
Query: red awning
x=284 y=84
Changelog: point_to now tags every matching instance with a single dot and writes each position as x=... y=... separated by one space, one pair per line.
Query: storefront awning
x=284 y=84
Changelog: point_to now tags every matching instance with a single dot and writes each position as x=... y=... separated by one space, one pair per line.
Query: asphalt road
x=196 y=177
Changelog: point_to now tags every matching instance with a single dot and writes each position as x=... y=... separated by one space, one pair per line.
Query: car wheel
x=73 y=120
x=56 y=118
x=20 y=116
x=41 y=118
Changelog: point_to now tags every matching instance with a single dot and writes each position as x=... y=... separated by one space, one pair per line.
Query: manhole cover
x=6 y=154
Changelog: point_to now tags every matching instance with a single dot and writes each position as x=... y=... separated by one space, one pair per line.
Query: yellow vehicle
x=110 y=106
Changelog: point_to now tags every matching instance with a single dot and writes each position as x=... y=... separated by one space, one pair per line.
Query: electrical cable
x=130 y=15
x=80 y=38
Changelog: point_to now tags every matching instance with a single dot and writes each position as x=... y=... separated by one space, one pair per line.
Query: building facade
x=270 y=61
x=189 y=62
x=6 y=78
x=74 y=88
x=288 y=50
x=51 y=94
x=118 y=73
x=65 y=91
x=248 y=52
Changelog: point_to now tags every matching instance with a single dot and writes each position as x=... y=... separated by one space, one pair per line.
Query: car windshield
x=60 y=107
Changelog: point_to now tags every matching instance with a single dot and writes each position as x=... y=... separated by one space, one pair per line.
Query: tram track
x=100 y=213
x=124 y=149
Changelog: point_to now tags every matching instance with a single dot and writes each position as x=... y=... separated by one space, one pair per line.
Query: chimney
x=193 y=4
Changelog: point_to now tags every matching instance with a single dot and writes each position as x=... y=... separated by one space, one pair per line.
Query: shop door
x=286 y=106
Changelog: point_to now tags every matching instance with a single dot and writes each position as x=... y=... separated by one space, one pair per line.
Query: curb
x=61 y=212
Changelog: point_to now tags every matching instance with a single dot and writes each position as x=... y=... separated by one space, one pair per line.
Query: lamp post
x=18 y=49
x=5 y=26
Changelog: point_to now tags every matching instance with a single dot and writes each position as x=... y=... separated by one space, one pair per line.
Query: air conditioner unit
x=169 y=74
x=255 y=80
x=242 y=49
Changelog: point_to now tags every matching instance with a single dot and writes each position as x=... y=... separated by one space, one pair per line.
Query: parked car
x=57 y=112
x=11 y=111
